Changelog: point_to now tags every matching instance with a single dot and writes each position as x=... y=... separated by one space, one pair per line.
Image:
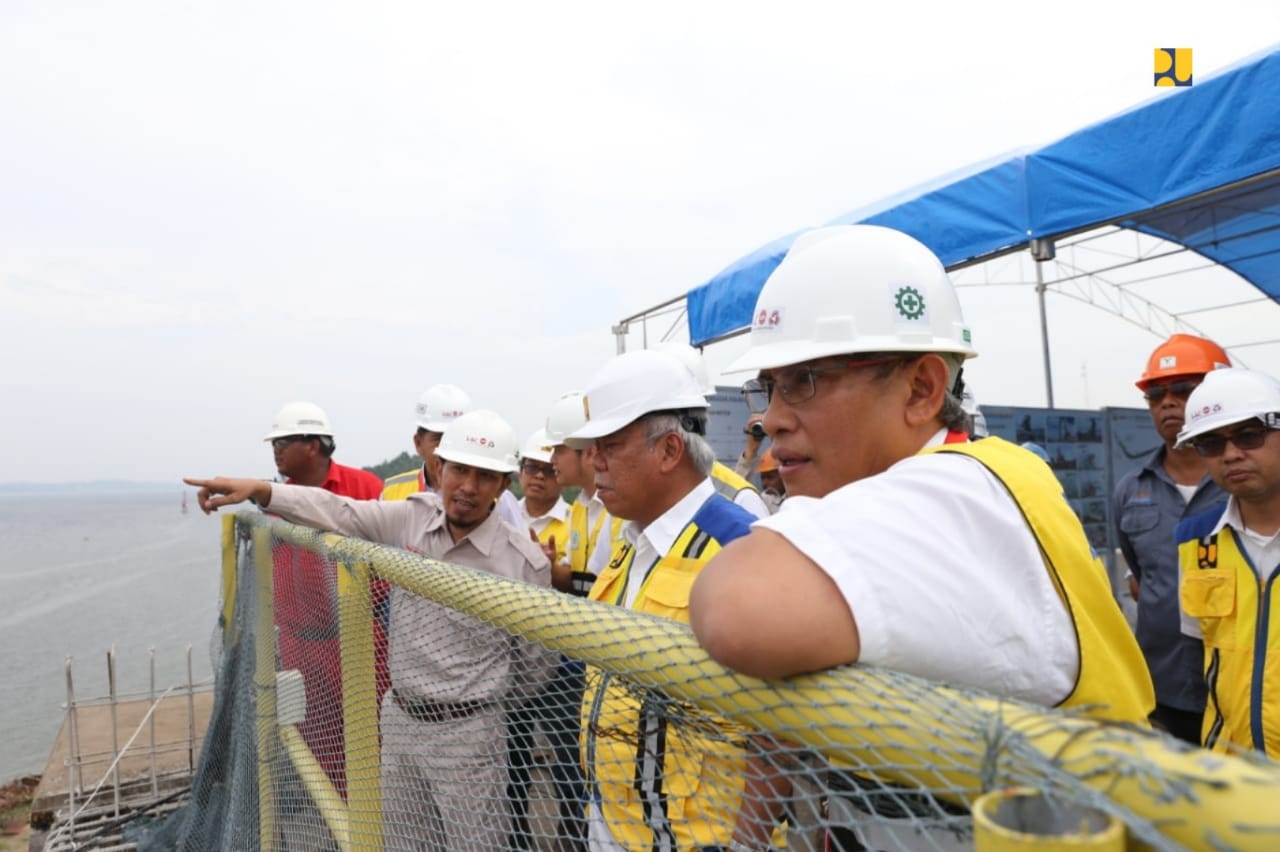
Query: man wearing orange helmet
x=772 y=489
x=1150 y=502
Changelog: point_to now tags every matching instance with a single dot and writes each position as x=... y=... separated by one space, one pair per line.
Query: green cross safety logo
x=909 y=303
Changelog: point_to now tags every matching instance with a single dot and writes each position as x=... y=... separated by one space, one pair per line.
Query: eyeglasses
x=799 y=384
x=285 y=440
x=529 y=468
x=1181 y=389
x=1214 y=445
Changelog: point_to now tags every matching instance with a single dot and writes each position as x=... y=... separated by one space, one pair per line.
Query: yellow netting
x=674 y=746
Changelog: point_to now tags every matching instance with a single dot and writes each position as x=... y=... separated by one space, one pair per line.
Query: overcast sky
x=210 y=209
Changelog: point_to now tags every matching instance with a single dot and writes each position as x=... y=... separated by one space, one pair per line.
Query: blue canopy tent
x=1199 y=167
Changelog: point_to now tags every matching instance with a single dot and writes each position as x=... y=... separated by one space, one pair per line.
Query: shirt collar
x=558 y=511
x=939 y=438
x=590 y=502
x=1231 y=518
x=482 y=537
x=666 y=528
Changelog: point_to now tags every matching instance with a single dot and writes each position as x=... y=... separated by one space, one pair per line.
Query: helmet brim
x=769 y=356
x=475 y=460
x=1212 y=424
x=585 y=437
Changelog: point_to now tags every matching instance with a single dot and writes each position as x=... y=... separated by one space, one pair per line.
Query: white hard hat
x=630 y=386
x=1229 y=396
x=300 y=418
x=854 y=288
x=693 y=360
x=480 y=439
x=439 y=404
x=567 y=415
x=537 y=447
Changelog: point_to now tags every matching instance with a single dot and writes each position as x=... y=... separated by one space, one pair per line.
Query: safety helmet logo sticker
x=1168 y=362
x=767 y=319
x=909 y=302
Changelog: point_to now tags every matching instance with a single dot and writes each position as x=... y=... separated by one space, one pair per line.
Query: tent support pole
x=1043 y=251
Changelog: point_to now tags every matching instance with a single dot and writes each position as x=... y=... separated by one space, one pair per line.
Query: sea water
x=80 y=572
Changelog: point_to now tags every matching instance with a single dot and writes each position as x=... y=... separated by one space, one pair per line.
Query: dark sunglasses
x=1181 y=389
x=546 y=471
x=1214 y=445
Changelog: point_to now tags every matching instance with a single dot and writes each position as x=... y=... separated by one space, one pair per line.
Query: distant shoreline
x=99 y=486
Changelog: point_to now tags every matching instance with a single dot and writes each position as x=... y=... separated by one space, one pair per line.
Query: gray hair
x=695 y=446
x=953 y=415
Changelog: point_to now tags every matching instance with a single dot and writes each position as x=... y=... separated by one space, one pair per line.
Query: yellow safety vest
x=559 y=529
x=400 y=486
x=582 y=543
x=728 y=482
x=682 y=787
x=1112 y=681
x=1241 y=625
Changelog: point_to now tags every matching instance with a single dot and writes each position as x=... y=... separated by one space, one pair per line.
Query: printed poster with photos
x=1090 y=451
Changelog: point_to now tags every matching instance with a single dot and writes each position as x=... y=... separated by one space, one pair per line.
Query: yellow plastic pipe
x=327 y=799
x=1021 y=818
x=360 y=707
x=264 y=682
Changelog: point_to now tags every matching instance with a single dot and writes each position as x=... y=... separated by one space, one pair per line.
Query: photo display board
x=1090 y=451
x=725 y=421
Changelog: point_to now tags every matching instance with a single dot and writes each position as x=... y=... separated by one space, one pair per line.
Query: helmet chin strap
x=694 y=423
x=957 y=387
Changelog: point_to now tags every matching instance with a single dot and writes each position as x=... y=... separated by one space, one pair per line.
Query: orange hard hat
x=1183 y=355
x=767 y=462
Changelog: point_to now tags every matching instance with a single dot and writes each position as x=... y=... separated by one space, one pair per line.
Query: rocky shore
x=15 y=811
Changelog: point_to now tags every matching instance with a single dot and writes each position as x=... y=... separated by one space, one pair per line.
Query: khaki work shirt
x=437 y=653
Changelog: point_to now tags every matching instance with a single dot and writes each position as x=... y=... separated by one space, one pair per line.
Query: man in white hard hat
x=541 y=508
x=591 y=534
x=1230 y=556
x=443 y=721
x=438 y=406
x=645 y=416
x=302 y=443
x=728 y=482
x=901 y=543
x=592 y=531
x=858 y=341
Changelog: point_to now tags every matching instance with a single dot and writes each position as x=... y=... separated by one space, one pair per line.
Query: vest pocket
x=668 y=593
x=1210 y=595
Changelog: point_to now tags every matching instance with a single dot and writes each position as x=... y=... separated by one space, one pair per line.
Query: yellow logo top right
x=1173 y=66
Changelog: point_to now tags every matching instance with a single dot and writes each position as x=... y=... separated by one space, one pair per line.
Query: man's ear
x=671 y=450
x=927 y=384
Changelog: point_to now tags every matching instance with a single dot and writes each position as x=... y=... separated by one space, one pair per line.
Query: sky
x=210 y=209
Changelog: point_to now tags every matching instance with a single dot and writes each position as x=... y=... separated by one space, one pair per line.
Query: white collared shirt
x=652 y=542
x=559 y=511
x=940 y=534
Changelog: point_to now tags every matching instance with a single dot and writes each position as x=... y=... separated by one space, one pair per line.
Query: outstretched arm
x=763 y=608
x=226 y=491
